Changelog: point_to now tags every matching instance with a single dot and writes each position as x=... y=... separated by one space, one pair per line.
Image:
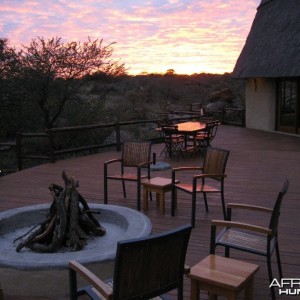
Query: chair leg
x=205 y=202
x=105 y=184
x=164 y=151
x=213 y=239
x=223 y=205
x=138 y=197
x=124 y=188
x=173 y=195
x=269 y=262
x=168 y=149
x=193 y=208
x=227 y=251
x=278 y=260
x=180 y=292
x=73 y=284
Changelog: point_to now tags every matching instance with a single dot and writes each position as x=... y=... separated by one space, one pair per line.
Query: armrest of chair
x=240 y=225
x=145 y=164
x=216 y=176
x=249 y=207
x=179 y=169
x=183 y=169
x=113 y=161
x=95 y=281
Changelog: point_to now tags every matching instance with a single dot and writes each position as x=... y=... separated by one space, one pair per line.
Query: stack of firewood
x=68 y=223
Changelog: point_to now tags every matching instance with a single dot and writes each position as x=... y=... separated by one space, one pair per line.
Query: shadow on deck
x=257 y=166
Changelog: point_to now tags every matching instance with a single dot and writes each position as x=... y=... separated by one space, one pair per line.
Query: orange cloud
x=188 y=36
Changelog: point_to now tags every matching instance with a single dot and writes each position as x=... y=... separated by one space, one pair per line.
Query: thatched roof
x=272 y=48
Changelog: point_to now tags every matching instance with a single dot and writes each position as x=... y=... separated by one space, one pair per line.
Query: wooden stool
x=222 y=276
x=160 y=186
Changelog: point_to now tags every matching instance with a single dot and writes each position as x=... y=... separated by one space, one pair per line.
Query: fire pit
x=37 y=242
x=69 y=226
x=120 y=223
x=34 y=274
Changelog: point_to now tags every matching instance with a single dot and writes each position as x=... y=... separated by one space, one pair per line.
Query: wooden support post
x=19 y=150
x=51 y=146
x=118 y=136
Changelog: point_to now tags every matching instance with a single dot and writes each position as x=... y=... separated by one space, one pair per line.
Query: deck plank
x=257 y=166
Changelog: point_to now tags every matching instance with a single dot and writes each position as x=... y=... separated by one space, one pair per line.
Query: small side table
x=222 y=276
x=160 y=186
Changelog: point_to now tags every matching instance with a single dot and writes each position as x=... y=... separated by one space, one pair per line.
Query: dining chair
x=144 y=268
x=253 y=238
x=211 y=180
x=134 y=166
x=213 y=131
x=161 y=123
x=174 y=141
x=202 y=139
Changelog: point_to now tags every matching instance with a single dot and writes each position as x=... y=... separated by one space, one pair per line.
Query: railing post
x=51 y=146
x=223 y=114
x=118 y=136
x=19 y=150
x=243 y=117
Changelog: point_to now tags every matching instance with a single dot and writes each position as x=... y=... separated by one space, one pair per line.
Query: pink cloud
x=205 y=35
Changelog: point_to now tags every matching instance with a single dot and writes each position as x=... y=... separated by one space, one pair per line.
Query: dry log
x=68 y=223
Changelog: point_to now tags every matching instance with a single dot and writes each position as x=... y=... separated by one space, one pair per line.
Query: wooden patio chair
x=144 y=268
x=161 y=123
x=252 y=238
x=174 y=141
x=134 y=166
x=213 y=131
x=204 y=138
x=201 y=140
x=211 y=180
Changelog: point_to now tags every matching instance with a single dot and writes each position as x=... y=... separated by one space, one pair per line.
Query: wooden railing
x=234 y=116
x=10 y=149
x=228 y=116
x=51 y=135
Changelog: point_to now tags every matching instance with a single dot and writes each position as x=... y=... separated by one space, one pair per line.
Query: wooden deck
x=257 y=166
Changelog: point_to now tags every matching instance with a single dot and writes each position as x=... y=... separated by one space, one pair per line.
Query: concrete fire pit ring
x=121 y=223
x=35 y=275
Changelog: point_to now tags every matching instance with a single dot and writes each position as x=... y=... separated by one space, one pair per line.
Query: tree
x=170 y=72
x=12 y=94
x=9 y=62
x=53 y=72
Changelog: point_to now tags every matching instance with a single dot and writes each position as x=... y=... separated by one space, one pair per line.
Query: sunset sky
x=152 y=36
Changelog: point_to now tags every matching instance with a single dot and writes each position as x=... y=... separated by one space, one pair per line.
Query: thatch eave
x=272 y=48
